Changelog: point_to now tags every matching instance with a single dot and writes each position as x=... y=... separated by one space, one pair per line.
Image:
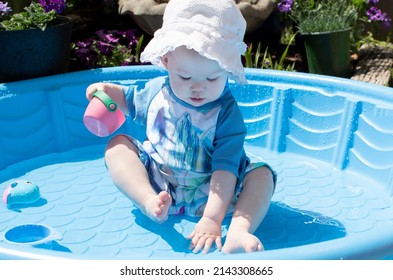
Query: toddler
x=193 y=160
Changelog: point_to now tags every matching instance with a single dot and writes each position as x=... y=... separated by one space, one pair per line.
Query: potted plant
x=325 y=27
x=35 y=42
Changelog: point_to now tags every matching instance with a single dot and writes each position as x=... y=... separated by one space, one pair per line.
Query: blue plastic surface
x=329 y=139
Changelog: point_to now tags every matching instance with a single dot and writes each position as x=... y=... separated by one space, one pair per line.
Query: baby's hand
x=206 y=232
x=113 y=90
x=93 y=88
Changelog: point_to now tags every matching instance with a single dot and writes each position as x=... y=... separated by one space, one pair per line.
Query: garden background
x=102 y=37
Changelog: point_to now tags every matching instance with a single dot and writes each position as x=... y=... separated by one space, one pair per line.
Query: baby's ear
x=164 y=61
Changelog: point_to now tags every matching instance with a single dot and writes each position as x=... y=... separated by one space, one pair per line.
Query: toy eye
x=28 y=182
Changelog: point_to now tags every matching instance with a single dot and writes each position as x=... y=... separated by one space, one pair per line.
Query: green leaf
x=34 y=16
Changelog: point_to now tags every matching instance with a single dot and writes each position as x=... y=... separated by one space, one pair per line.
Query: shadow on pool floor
x=283 y=227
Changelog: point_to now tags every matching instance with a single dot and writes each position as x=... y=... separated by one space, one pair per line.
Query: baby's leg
x=130 y=176
x=250 y=210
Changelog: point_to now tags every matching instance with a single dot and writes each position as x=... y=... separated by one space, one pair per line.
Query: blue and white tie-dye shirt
x=187 y=138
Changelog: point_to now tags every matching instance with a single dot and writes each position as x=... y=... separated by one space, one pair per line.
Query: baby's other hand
x=206 y=233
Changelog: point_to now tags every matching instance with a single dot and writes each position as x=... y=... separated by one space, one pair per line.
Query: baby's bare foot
x=241 y=241
x=156 y=206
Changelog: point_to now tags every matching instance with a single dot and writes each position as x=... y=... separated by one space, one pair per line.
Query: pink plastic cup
x=102 y=116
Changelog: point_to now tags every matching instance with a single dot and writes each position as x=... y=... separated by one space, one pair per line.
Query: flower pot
x=327 y=53
x=33 y=53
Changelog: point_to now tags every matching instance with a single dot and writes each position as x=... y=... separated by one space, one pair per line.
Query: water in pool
x=79 y=200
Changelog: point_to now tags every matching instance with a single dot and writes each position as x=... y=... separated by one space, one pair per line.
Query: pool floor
x=313 y=203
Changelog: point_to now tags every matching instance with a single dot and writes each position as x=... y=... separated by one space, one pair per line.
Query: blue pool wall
x=348 y=124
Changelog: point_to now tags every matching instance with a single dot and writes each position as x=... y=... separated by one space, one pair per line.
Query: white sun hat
x=213 y=28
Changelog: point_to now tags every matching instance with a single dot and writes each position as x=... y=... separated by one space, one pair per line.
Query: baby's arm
x=208 y=229
x=114 y=91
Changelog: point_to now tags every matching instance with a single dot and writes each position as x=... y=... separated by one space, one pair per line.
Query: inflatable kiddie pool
x=329 y=139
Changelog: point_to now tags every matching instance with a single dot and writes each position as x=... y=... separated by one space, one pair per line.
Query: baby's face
x=194 y=79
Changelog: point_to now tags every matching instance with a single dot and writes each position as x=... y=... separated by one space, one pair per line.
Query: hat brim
x=212 y=47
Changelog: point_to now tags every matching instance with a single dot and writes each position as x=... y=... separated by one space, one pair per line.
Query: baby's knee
x=262 y=176
x=116 y=140
x=263 y=173
x=120 y=143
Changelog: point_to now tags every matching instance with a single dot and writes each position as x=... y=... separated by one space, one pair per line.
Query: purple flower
x=375 y=14
x=4 y=9
x=372 y=2
x=129 y=37
x=387 y=22
x=57 y=5
x=285 y=6
x=129 y=34
x=82 y=53
x=83 y=45
x=86 y=56
x=105 y=48
x=107 y=37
